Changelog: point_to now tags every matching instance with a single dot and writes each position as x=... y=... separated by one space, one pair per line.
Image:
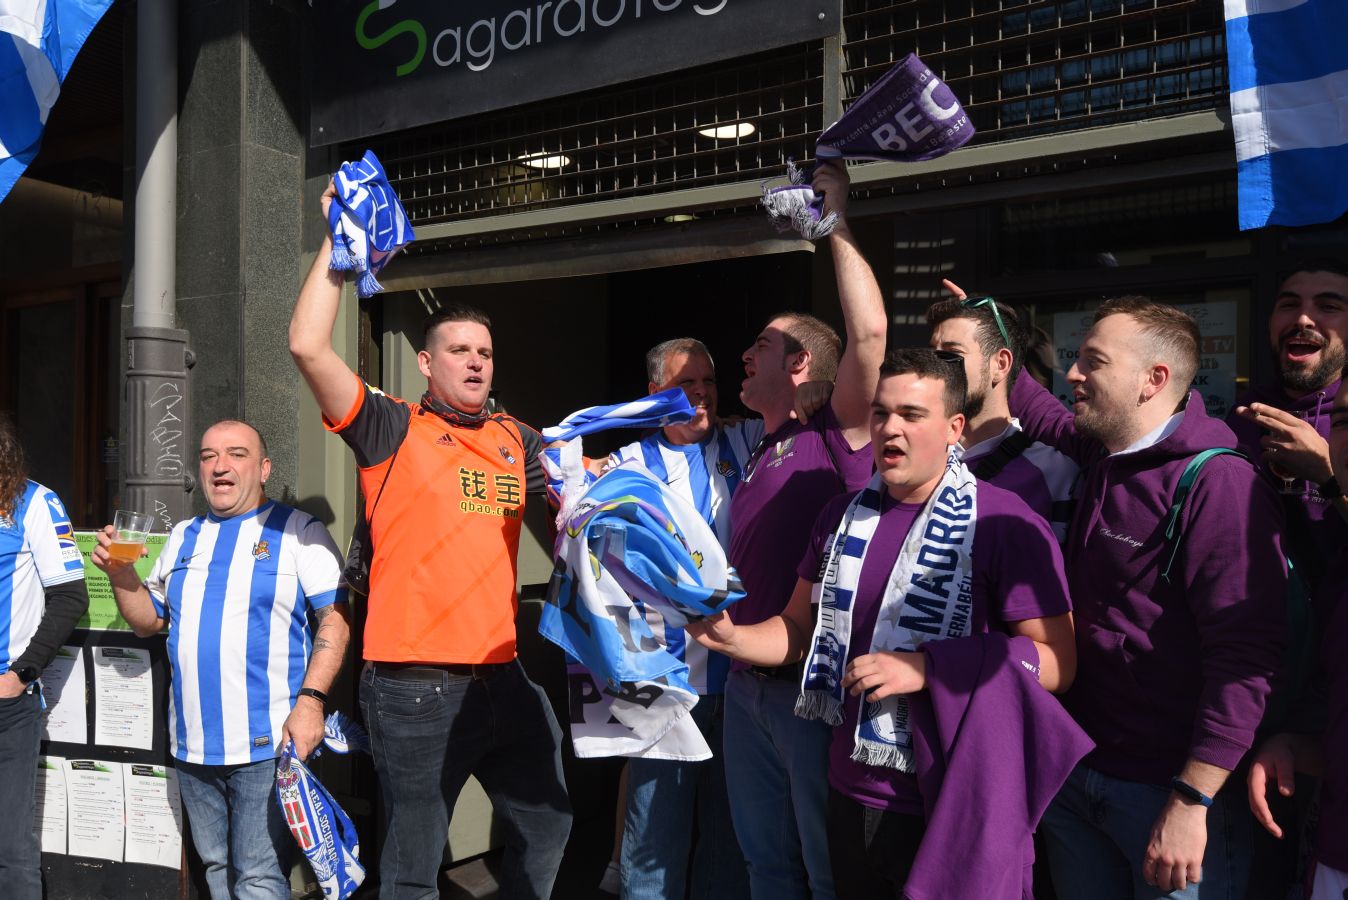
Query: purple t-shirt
x=793 y=473
x=1018 y=574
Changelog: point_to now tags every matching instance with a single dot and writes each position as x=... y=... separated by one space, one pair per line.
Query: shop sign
x=384 y=65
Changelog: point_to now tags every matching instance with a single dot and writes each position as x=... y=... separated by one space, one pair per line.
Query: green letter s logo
x=406 y=26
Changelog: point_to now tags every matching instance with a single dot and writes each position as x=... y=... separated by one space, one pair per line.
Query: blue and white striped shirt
x=705 y=474
x=37 y=550
x=237 y=594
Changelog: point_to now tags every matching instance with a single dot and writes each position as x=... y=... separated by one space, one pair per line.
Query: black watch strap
x=1330 y=489
x=316 y=694
x=1189 y=792
x=29 y=674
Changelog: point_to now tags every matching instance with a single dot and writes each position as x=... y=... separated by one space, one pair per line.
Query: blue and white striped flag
x=38 y=43
x=1289 y=109
x=633 y=554
x=368 y=222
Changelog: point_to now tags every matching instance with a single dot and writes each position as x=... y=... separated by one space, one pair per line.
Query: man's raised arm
x=863 y=309
x=334 y=385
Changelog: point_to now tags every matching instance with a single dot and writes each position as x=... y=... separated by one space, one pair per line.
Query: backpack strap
x=1172 y=533
x=990 y=466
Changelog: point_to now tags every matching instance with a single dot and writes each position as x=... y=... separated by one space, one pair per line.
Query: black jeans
x=429 y=736
x=872 y=850
x=20 y=856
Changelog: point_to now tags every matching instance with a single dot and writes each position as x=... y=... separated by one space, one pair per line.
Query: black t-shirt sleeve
x=376 y=427
x=536 y=481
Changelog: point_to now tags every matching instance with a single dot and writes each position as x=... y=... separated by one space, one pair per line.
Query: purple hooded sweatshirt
x=1315 y=515
x=1332 y=837
x=983 y=703
x=1167 y=670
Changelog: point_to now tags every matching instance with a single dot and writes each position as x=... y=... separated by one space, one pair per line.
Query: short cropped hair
x=658 y=356
x=987 y=334
x=805 y=332
x=1331 y=264
x=1171 y=333
x=926 y=363
x=457 y=312
x=261 y=441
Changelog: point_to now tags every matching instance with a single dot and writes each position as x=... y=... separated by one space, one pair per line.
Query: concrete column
x=240 y=181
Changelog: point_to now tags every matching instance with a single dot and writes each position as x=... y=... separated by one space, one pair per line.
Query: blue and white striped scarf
x=928 y=597
x=631 y=553
x=368 y=223
x=320 y=826
x=564 y=466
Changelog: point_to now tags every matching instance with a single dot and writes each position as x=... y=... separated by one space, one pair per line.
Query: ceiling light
x=680 y=217
x=544 y=161
x=728 y=132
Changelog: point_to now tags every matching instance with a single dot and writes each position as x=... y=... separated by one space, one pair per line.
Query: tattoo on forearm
x=323 y=644
x=322 y=613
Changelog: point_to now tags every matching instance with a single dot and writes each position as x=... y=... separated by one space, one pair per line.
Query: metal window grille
x=627 y=140
x=1025 y=67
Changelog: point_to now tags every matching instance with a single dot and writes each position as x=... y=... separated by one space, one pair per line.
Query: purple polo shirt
x=1018 y=574
x=791 y=475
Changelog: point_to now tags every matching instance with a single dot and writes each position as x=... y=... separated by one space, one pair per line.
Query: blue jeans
x=238 y=829
x=664 y=798
x=776 y=768
x=20 y=851
x=429 y=736
x=1097 y=829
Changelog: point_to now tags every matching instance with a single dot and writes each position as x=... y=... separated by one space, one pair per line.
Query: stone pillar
x=241 y=153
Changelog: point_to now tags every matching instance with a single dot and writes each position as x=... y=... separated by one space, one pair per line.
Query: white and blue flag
x=1289 y=109
x=654 y=411
x=38 y=43
x=632 y=553
x=368 y=222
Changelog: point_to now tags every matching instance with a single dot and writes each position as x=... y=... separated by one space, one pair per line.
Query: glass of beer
x=130 y=531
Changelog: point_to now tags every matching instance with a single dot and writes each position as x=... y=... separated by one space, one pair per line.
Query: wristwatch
x=318 y=695
x=1189 y=792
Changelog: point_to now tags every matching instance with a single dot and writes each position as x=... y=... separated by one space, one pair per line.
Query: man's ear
x=1002 y=362
x=956 y=429
x=798 y=362
x=1158 y=378
x=652 y=387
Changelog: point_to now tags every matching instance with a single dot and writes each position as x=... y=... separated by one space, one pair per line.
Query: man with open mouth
x=1283 y=426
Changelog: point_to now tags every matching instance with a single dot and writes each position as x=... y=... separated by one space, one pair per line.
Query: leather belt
x=435 y=671
x=789 y=672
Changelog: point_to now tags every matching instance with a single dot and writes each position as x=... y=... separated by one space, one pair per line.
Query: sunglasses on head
x=991 y=303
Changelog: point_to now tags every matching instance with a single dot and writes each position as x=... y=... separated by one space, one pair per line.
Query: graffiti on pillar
x=166 y=428
x=161 y=512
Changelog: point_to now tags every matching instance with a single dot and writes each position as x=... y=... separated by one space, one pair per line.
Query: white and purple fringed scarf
x=907 y=116
x=928 y=597
x=368 y=223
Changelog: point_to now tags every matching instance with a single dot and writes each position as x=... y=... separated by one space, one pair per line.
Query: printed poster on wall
x=49 y=817
x=1219 y=326
x=154 y=815
x=124 y=712
x=97 y=813
x=63 y=689
x=103 y=614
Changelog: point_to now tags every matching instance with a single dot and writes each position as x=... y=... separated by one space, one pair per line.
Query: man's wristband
x=318 y=695
x=1330 y=489
x=1189 y=792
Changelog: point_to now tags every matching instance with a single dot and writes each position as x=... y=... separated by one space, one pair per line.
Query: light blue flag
x=368 y=222
x=1289 y=93
x=634 y=561
x=38 y=43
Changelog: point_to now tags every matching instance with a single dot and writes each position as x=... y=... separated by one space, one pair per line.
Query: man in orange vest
x=443 y=693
